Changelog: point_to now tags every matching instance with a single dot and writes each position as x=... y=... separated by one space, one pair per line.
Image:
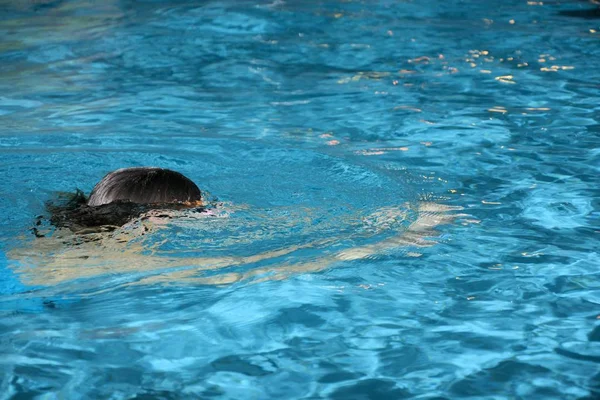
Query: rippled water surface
x=405 y=198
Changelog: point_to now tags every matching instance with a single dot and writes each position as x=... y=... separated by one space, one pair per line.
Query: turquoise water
x=317 y=128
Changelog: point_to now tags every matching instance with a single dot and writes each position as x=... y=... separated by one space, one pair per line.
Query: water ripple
x=405 y=199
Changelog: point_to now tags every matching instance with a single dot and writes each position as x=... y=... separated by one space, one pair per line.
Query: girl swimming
x=101 y=234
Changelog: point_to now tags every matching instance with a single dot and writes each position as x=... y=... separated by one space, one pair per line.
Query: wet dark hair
x=122 y=196
x=145 y=185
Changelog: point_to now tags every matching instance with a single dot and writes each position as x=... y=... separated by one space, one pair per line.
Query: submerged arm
x=53 y=260
x=419 y=233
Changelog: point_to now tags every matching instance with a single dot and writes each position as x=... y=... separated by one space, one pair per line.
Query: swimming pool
x=316 y=127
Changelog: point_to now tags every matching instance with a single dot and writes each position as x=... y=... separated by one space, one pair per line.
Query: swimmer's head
x=122 y=196
x=145 y=185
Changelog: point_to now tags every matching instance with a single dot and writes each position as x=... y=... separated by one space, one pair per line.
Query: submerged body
x=141 y=201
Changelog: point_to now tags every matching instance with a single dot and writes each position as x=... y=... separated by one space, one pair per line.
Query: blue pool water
x=318 y=128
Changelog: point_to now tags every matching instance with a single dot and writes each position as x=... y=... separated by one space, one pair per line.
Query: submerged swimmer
x=99 y=235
